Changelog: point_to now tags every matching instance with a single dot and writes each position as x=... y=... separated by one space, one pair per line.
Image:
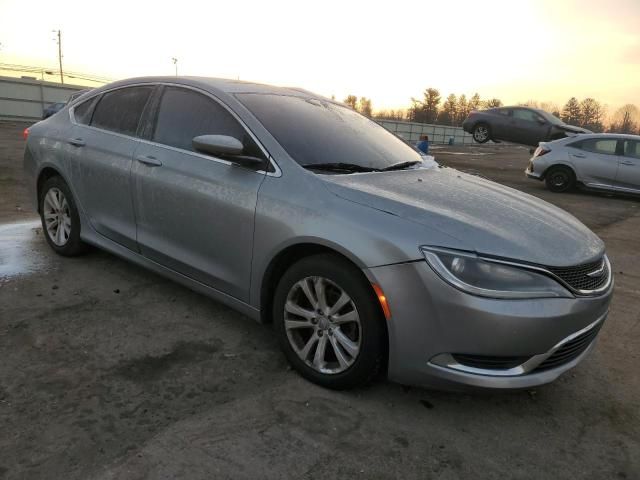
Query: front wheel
x=328 y=322
x=481 y=133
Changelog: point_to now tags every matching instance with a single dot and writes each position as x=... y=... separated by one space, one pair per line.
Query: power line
x=52 y=71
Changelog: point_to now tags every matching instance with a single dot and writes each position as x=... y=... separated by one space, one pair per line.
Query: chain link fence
x=438 y=134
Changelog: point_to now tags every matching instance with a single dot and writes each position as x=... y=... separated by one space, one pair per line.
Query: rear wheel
x=481 y=133
x=328 y=322
x=560 y=179
x=60 y=218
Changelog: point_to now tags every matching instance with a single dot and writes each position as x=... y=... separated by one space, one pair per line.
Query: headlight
x=489 y=278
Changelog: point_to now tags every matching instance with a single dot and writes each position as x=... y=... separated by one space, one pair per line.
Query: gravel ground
x=111 y=372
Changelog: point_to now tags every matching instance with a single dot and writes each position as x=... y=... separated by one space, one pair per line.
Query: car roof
x=589 y=136
x=218 y=85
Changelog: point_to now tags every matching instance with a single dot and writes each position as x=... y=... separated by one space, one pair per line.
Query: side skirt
x=90 y=236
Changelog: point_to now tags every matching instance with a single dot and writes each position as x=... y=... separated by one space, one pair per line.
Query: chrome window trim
x=276 y=173
x=446 y=360
x=487 y=293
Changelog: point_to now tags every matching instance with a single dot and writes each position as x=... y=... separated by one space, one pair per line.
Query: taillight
x=25 y=133
x=540 y=152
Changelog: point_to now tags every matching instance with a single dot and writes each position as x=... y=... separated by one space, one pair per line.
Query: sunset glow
x=388 y=51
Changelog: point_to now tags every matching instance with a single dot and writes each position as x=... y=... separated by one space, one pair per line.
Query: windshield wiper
x=401 y=165
x=340 y=167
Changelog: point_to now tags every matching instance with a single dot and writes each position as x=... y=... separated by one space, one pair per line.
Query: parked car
x=56 y=107
x=528 y=126
x=297 y=210
x=51 y=109
x=601 y=161
x=77 y=94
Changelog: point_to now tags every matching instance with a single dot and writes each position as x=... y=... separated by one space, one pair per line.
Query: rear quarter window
x=82 y=113
x=120 y=110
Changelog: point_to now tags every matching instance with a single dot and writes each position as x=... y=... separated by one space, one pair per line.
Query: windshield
x=319 y=132
x=551 y=118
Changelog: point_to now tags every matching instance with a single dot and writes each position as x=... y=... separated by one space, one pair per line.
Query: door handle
x=578 y=155
x=626 y=162
x=76 y=142
x=149 y=160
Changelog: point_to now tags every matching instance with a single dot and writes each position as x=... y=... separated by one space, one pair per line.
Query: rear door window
x=120 y=110
x=184 y=114
x=602 y=146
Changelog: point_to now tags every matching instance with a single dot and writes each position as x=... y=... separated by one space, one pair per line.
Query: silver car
x=599 y=161
x=296 y=210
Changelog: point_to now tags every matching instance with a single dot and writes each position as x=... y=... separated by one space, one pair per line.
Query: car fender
x=562 y=162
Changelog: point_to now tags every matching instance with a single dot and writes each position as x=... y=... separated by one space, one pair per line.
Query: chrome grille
x=578 y=278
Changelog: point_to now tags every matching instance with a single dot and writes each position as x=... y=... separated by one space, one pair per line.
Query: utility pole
x=59 y=40
x=175 y=62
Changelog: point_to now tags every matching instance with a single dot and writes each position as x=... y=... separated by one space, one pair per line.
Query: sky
x=515 y=50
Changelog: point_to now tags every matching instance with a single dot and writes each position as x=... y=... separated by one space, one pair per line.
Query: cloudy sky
x=515 y=50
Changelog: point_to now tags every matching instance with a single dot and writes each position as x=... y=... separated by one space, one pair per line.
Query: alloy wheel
x=57 y=216
x=481 y=133
x=559 y=179
x=322 y=325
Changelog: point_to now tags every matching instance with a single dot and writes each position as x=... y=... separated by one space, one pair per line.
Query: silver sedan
x=296 y=210
x=597 y=161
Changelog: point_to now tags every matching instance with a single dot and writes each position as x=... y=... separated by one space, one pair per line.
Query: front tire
x=560 y=179
x=328 y=322
x=60 y=218
x=482 y=133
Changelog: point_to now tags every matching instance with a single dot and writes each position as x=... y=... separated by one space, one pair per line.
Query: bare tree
x=352 y=101
x=364 y=106
x=391 y=114
x=492 y=103
x=625 y=120
x=550 y=107
x=474 y=102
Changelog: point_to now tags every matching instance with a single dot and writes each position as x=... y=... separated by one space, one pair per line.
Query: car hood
x=490 y=218
x=573 y=129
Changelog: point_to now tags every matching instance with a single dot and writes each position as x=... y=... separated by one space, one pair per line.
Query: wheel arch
x=45 y=174
x=560 y=164
x=291 y=254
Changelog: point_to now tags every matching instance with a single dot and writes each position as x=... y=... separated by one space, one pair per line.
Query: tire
x=57 y=203
x=482 y=133
x=560 y=179
x=356 y=322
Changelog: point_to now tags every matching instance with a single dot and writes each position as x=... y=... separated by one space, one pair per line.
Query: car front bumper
x=431 y=321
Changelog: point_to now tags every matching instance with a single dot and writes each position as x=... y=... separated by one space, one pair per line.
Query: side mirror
x=218 y=145
x=542 y=121
x=227 y=147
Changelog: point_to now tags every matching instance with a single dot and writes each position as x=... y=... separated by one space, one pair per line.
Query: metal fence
x=26 y=99
x=438 y=134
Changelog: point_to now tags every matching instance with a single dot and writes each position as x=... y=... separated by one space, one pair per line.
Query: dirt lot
x=111 y=372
